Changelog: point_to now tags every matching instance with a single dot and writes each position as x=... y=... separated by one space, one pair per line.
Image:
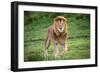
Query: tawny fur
x=56 y=36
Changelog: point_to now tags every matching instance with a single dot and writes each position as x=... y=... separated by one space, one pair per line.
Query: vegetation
x=35 y=28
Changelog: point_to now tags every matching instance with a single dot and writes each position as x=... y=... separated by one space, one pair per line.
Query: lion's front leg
x=56 y=50
x=64 y=49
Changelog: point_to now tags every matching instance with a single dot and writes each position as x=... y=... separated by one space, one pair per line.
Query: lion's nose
x=60 y=28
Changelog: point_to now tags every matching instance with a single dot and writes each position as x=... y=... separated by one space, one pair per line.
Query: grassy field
x=35 y=28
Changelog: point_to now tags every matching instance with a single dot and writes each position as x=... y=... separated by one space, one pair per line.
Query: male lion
x=57 y=34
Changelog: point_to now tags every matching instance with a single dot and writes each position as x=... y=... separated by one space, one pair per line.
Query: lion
x=57 y=34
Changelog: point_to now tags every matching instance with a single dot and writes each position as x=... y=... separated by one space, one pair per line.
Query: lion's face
x=60 y=25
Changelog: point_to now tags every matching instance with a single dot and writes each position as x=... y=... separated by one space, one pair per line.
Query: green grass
x=35 y=29
x=78 y=49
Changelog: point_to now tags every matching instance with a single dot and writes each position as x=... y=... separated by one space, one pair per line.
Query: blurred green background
x=35 y=28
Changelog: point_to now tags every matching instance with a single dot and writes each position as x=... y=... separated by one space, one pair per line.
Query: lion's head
x=59 y=25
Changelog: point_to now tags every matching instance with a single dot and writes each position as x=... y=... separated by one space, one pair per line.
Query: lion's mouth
x=61 y=29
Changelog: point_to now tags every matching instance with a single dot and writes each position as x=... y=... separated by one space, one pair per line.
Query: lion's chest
x=59 y=38
x=56 y=36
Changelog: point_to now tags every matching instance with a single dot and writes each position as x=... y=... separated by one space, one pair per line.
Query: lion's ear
x=65 y=19
x=54 y=20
